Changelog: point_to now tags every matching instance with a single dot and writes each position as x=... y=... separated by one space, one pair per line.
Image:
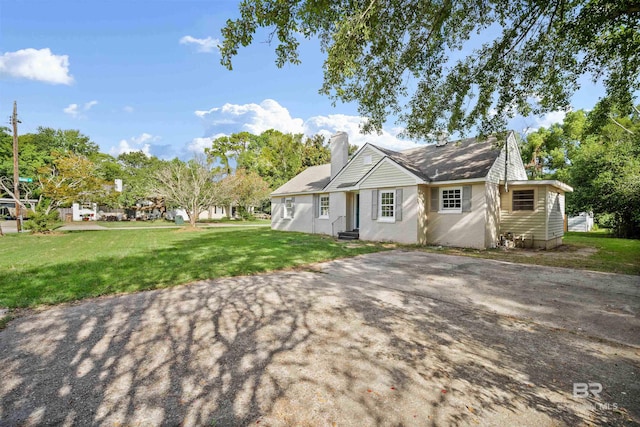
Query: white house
x=465 y=193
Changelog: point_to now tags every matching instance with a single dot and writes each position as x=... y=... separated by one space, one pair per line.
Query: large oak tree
x=420 y=60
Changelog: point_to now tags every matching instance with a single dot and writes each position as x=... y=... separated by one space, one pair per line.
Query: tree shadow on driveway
x=354 y=342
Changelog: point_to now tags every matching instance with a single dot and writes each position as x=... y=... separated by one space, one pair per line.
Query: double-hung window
x=387 y=206
x=324 y=206
x=451 y=200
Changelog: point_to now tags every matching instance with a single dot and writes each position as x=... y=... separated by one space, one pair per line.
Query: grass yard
x=50 y=269
x=165 y=223
x=587 y=251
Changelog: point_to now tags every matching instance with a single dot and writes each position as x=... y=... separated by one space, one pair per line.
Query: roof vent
x=443 y=138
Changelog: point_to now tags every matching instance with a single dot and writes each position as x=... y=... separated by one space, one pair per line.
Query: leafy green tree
x=546 y=152
x=138 y=176
x=600 y=161
x=40 y=149
x=315 y=151
x=605 y=173
x=419 y=59
x=70 y=178
x=226 y=149
x=245 y=189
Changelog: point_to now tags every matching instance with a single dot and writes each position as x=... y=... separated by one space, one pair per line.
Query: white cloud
x=127 y=109
x=207 y=45
x=136 y=143
x=40 y=65
x=72 y=110
x=545 y=120
x=551 y=118
x=75 y=111
x=198 y=145
x=144 y=137
x=269 y=114
x=125 y=147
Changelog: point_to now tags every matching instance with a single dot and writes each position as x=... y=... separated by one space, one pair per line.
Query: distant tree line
x=239 y=170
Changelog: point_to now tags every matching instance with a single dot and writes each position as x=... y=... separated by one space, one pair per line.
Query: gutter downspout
x=506 y=165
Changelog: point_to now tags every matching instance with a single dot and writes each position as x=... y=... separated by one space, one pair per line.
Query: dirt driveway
x=395 y=338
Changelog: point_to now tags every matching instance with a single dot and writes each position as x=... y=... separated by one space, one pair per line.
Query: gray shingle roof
x=464 y=159
x=311 y=180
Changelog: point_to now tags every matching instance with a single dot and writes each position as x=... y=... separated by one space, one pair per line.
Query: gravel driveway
x=393 y=338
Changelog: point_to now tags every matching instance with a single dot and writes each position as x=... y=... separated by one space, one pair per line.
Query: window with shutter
x=399 y=200
x=434 y=203
x=288 y=207
x=374 y=204
x=466 y=198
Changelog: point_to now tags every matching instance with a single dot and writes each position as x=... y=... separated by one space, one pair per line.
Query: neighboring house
x=214 y=212
x=84 y=211
x=465 y=193
x=582 y=222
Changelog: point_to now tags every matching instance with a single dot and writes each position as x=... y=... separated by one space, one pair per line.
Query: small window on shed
x=367 y=159
x=523 y=200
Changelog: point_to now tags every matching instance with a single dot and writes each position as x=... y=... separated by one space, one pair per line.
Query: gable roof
x=457 y=160
x=464 y=159
x=311 y=180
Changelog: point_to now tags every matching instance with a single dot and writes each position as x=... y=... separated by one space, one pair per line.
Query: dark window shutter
x=398 y=212
x=435 y=194
x=466 y=198
x=293 y=206
x=316 y=205
x=374 y=204
x=284 y=207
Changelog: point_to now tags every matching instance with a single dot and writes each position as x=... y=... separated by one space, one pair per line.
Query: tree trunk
x=192 y=218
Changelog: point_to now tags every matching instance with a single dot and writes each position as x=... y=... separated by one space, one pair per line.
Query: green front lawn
x=50 y=269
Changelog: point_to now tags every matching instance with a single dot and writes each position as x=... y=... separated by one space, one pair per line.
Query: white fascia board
x=458 y=181
x=552 y=182
x=299 y=193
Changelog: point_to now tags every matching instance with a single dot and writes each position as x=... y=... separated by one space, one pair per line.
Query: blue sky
x=145 y=75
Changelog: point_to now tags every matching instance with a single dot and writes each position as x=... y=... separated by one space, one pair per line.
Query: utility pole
x=16 y=174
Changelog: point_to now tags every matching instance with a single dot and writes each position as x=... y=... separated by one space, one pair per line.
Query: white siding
x=467 y=229
x=492 y=227
x=404 y=231
x=515 y=167
x=555 y=209
x=388 y=174
x=356 y=168
x=532 y=224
